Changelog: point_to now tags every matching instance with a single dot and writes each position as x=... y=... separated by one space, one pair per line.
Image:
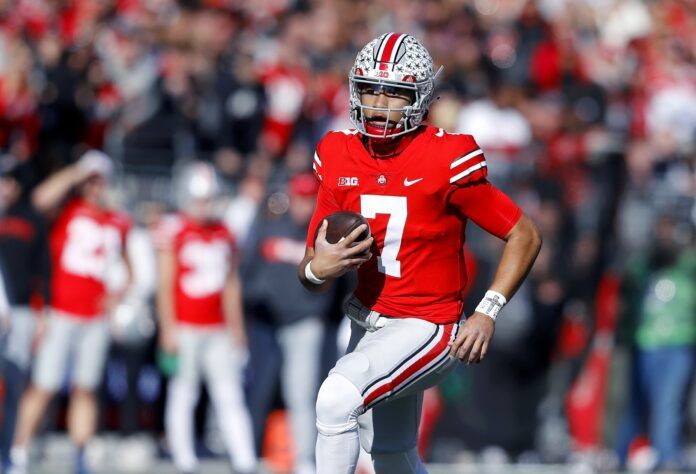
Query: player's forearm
x=54 y=189
x=233 y=309
x=521 y=249
x=302 y=275
x=165 y=290
x=165 y=307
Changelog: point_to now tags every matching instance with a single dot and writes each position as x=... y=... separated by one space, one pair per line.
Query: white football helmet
x=197 y=188
x=394 y=63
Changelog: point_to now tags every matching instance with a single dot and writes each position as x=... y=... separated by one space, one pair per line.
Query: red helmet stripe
x=395 y=49
x=382 y=45
x=388 y=48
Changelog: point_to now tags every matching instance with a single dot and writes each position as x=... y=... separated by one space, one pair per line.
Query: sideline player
x=85 y=241
x=417 y=185
x=201 y=321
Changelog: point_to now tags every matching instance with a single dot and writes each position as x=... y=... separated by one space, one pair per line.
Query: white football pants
x=373 y=395
x=208 y=353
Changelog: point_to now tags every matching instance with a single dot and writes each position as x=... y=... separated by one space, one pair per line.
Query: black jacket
x=24 y=254
x=272 y=290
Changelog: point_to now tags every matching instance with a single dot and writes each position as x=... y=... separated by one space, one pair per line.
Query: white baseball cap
x=96 y=162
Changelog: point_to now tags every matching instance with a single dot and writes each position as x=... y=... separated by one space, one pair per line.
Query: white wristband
x=491 y=304
x=311 y=276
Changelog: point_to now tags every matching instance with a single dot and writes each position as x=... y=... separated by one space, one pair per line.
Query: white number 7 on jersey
x=395 y=207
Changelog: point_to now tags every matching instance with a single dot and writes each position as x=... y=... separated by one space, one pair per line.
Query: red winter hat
x=303 y=184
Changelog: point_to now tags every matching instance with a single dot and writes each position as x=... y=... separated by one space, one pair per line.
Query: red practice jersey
x=203 y=255
x=86 y=242
x=417 y=203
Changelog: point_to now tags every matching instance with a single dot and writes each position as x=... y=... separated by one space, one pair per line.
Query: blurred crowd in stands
x=586 y=110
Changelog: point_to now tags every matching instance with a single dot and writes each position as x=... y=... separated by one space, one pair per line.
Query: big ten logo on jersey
x=347 y=181
x=207 y=264
x=89 y=248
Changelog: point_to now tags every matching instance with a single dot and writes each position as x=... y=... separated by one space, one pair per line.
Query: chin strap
x=390 y=146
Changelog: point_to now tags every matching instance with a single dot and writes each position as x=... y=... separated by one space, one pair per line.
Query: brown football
x=342 y=223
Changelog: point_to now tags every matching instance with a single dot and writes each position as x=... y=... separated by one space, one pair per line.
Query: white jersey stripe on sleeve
x=466 y=157
x=316 y=172
x=316 y=159
x=467 y=172
x=314 y=167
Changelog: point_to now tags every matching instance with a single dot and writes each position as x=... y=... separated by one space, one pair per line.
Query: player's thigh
x=190 y=344
x=430 y=379
x=54 y=351
x=391 y=426
x=392 y=359
x=220 y=360
x=90 y=356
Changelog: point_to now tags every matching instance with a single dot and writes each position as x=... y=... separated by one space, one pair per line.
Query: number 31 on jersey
x=395 y=207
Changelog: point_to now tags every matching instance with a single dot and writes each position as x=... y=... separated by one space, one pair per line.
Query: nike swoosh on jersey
x=411 y=183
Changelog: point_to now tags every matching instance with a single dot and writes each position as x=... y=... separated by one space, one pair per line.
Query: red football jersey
x=86 y=241
x=417 y=203
x=203 y=255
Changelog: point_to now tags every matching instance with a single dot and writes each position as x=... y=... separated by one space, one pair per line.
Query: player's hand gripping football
x=471 y=344
x=333 y=260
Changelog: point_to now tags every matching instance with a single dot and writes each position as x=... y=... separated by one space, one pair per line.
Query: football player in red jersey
x=418 y=186
x=86 y=240
x=200 y=313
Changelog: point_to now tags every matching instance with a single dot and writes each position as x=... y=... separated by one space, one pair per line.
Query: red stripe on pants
x=432 y=354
